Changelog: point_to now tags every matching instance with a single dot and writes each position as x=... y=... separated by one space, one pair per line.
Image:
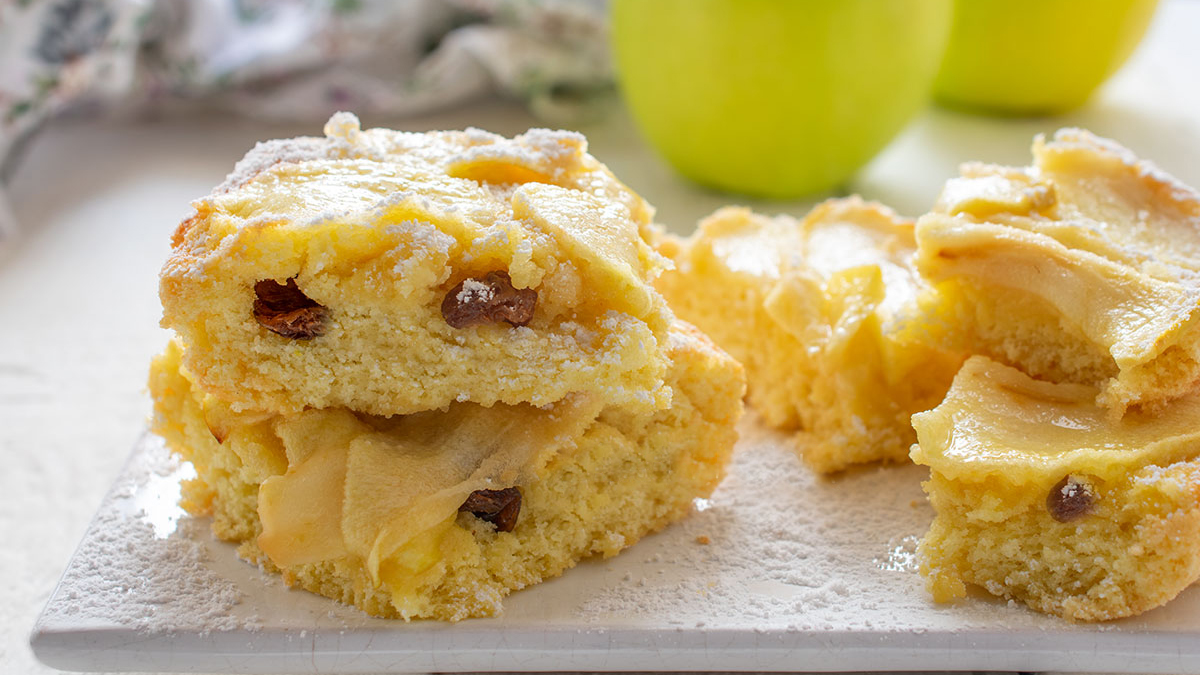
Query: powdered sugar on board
x=143 y=564
x=790 y=550
x=778 y=570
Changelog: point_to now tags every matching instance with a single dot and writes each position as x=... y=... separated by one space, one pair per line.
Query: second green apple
x=1031 y=57
x=775 y=98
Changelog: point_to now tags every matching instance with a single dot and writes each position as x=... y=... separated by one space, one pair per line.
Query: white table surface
x=97 y=202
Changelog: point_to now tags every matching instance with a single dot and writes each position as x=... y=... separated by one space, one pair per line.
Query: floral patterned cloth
x=289 y=59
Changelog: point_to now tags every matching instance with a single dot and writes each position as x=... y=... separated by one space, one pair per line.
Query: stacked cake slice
x=415 y=372
x=1077 y=492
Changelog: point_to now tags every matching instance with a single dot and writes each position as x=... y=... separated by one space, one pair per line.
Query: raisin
x=286 y=310
x=498 y=507
x=1070 y=499
x=488 y=300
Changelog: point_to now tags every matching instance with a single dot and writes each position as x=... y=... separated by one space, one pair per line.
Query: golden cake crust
x=372 y=232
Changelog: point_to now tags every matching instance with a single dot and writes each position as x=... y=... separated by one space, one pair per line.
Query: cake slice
x=440 y=514
x=821 y=313
x=1042 y=497
x=1084 y=267
x=391 y=272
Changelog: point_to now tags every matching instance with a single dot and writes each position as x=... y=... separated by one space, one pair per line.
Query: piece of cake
x=441 y=514
x=1084 y=267
x=392 y=272
x=1042 y=497
x=820 y=311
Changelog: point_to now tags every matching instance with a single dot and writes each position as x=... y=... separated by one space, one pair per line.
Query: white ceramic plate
x=800 y=574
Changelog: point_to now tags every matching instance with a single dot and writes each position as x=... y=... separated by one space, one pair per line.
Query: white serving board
x=800 y=574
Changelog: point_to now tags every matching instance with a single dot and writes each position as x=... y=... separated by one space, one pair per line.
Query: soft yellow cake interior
x=1084 y=267
x=365 y=509
x=1041 y=496
x=820 y=311
x=376 y=229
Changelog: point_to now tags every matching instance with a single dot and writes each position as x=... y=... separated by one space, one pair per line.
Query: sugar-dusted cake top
x=538 y=155
x=489 y=196
x=394 y=272
x=1104 y=244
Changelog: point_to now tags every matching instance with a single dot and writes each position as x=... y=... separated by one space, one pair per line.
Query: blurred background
x=758 y=98
x=115 y=114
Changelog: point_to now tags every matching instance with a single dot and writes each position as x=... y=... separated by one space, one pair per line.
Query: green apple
x=1030 y=57
x=775 y=98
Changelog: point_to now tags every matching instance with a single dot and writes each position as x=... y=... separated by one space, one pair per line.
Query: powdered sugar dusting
x=165 y=587
x=343 y=126
x=419 y=242
x=266 y=154
x=553 y=145
x=348 y=140
x=792 y=551
x=146 y=567
x=344 y=138
x=547 y=151
x=474 y=292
